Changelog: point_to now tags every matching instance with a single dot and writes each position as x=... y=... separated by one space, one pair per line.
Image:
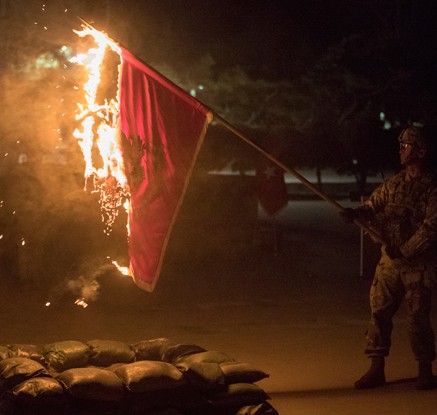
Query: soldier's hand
x=347 y=215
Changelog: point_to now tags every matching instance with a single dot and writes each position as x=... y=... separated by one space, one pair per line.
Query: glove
x=347 y=215
x=393 y=252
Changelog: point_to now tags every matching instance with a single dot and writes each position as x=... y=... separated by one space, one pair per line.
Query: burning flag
x=148 y=138
x=162 y=129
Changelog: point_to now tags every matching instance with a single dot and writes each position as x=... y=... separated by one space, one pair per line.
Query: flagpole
x=212 y=114
x=374 y=234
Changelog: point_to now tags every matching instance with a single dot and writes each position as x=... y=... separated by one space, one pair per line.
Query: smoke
x=83 y=288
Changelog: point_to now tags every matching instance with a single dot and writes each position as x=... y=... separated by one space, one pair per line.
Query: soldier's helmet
x=415 y=136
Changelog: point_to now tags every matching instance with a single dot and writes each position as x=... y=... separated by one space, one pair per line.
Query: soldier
x=404 y=209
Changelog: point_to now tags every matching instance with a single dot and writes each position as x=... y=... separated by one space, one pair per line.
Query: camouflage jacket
x=404 y=210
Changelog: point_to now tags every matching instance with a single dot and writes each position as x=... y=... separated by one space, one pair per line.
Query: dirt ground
x=299 y=314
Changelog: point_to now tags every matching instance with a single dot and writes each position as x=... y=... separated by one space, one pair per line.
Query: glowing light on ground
x=81 y=303
x=123 y=270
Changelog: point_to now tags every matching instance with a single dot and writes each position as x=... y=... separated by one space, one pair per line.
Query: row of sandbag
x=117 y=378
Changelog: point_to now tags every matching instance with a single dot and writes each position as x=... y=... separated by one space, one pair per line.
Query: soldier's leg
x=386 y=295
x=418 y=299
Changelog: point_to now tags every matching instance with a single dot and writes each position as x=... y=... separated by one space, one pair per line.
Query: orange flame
x=98 y=131
x=123 y=270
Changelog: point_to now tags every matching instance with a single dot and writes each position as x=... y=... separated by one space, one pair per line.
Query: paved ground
x=299 y=314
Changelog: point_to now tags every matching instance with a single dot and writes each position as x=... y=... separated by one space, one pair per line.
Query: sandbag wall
x=108 y=377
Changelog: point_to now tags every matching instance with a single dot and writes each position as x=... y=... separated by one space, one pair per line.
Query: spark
x=81 y=302
x=48 y=303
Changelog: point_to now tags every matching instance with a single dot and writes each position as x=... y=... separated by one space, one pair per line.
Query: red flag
x=162 y=130
x=272 y=191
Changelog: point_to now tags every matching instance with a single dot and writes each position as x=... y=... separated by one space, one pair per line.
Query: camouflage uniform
x=405 y=211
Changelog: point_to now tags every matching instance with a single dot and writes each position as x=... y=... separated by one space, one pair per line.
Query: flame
x=123 y=270
x=98 y=130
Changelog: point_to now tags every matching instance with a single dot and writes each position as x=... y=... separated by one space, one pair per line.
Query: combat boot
x=374 y=377
x=425 y=380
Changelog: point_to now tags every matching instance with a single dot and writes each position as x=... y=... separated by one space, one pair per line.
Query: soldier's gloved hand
x=393 y=252
x=347 y=215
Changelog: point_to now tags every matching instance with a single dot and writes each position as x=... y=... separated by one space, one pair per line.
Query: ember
x=81 y=302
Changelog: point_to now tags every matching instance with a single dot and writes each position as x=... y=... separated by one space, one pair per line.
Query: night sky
x=275 y=38
x=271 y=37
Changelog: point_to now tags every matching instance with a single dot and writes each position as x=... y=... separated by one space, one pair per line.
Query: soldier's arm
x=426 y=233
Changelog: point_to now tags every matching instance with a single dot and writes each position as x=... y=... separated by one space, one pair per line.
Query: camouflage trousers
x=393 y=283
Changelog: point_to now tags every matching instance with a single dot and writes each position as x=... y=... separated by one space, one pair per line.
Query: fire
x=123 y=270
x=98 y=131
x=97 y=138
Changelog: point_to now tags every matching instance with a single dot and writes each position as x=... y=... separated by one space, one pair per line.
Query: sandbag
x=108 y=352
x=38 y=391
x=5 y=353
x=140 y=407
x=18 y=369
x=67 y=354
x=148 y=375
x=238 y=372
x=183 y=399
x=209 y=356
x=149 y=349
x=29 y=351
x=238 y=395
x=172 y=352
x=260 y=409
x=203 y=375
x=92 y=383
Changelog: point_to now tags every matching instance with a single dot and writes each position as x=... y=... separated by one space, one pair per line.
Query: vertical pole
x=362 y=246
